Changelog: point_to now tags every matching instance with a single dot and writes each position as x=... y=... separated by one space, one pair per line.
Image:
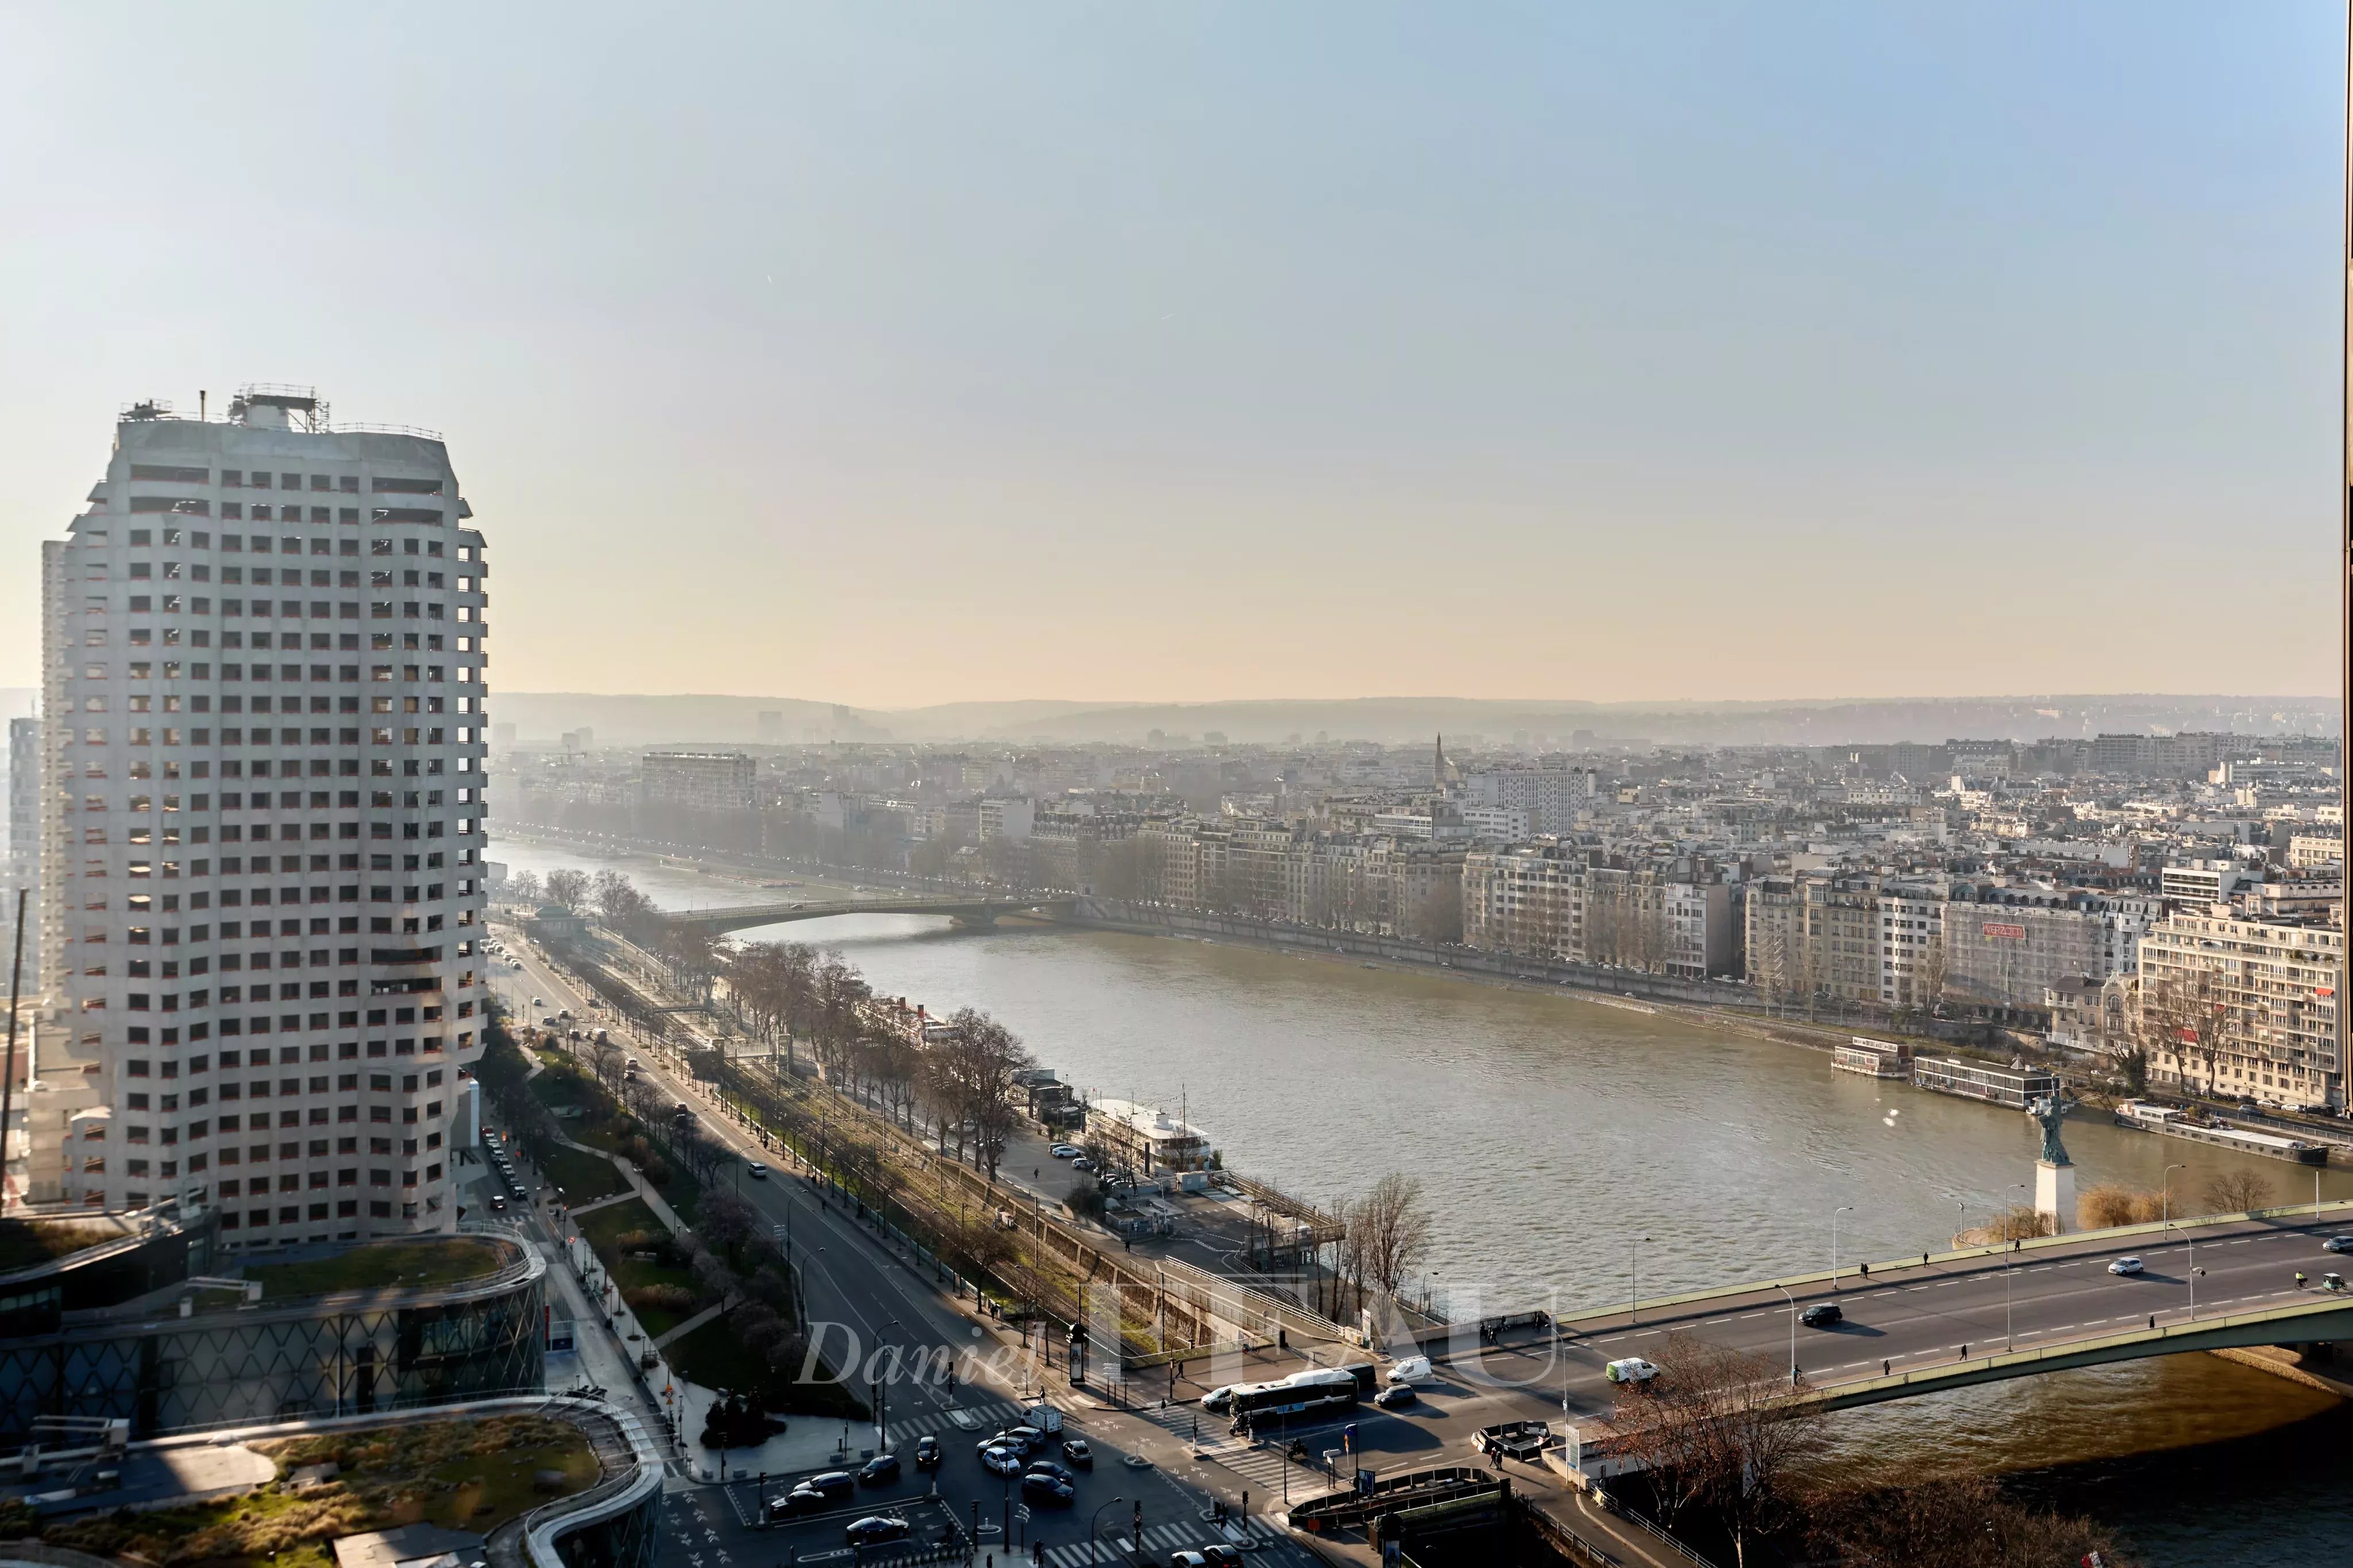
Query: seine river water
x=1549 y=1131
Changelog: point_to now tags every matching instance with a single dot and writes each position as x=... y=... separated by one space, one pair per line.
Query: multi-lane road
x=854 y=1278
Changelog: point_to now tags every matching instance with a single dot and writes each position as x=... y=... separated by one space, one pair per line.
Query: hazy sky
x=889 y=355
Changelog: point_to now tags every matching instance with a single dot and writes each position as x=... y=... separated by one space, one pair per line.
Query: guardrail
x=1271 y=1309
x=1642 y=1521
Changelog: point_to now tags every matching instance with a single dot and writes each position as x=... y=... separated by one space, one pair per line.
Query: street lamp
x=1634 y=1290
x=2165 y=1215
x=2008 y=1328
x=1842 y=1208
x=1095 y=1527
x=1793 y=1333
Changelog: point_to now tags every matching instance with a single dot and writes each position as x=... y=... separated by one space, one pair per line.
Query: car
x=1395 y=1395
x=1082 y=1163
x=1216 y=1399
x=1412 y=1369
x=1822 y=1315
x=2337 y=1244
x=498 y=1202
x=1630 y=1369
x=1221 y=1555
x=927 y=1453
x=875 y=1528
x=1000 y=1458
x=1047 y=1467
x=1187 y=1559
x=2126 y=1265
x=1076 y=1451
x=1044 y=1485
x=537 y=1002
x=1026 y=1438
x=756 y=1171
x=1066 y=1151
x=881 y=1468
x=796 y=1502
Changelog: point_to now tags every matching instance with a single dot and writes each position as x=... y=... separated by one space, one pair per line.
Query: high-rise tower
x=263 y=683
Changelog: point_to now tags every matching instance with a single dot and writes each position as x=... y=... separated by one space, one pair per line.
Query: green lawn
x=439 y=1260
x=24 y=1243
x=583 y=1176
x=630 y=1273
x=462 y=1475
x=712 y=1357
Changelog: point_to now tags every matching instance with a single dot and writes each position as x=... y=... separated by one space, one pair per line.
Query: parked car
x=927 y=1453
x=1412 y=1369
x=875 y=1528
x=1630 y=1369
x=1044 y=1485
x=1082 y=1163
x=1394 y=1395
x=1066 y=1151
x=1822 y=1315
x=1076 y=1451
x=2125 y=1266
x=881 y=1468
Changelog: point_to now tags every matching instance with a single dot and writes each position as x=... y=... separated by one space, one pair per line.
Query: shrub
x=662 y=1298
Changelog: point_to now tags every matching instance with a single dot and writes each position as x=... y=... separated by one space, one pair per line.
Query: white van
x=1412 y=1369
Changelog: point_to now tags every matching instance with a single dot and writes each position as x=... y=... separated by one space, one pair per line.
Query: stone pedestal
x=2055 y=1194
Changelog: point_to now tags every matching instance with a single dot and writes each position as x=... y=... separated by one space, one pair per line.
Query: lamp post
x=2009 y=1324
x=1094 y=1528
x=2165 y=1214
x=1842 y=1208
x=1793 y=1333
x=1634 y=1289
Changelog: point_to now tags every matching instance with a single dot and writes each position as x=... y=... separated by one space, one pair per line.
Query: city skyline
x=956 y=361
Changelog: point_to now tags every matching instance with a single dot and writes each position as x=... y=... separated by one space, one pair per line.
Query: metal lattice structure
x=386 y=1350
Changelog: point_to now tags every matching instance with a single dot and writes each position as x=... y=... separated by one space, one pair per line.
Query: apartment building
x=2006 y=947
x=705 y=780
x=1528 y=899
x=263 y=665
x=2235 y=1006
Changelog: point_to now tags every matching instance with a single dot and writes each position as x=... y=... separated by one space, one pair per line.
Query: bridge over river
x=1914 y=1326
x=965 y=911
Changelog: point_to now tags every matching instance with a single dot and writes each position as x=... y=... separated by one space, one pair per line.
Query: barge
x=2171 y=1122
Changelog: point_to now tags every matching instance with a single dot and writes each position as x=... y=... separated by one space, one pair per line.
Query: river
x=1550 y=1132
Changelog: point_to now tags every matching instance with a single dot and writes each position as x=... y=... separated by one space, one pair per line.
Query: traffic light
x=1139 y=1522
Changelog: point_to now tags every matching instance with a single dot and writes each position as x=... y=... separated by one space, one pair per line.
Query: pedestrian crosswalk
x=1163 y=1539
x=982 y=1419
x=1261 y=1465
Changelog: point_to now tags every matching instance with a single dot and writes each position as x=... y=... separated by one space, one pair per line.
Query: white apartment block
x=263 y=682
x=706 y=781
x=2274 y=989
x=1911 y=949
x=1551 y=796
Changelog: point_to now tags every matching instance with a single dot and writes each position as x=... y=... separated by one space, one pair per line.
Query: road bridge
x=1983 y=1315
x=964 y=910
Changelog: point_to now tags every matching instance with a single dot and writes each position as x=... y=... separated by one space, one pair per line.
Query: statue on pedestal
x=2049 y=1111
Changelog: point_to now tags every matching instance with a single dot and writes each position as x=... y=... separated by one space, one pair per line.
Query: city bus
x=1301 y=1393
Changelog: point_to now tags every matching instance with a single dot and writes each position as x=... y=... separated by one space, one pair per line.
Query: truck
x=1044 y=1418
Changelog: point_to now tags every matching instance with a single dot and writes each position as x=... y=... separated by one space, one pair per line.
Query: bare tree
x=1396 y=1229
x=1960 y=1521
x=2186 y=1015
x=1717 y=1433
x=567 y=888
x=2236 y=1191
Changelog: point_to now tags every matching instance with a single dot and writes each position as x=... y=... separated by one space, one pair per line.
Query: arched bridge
x=964 y=911
x=1916 y=1326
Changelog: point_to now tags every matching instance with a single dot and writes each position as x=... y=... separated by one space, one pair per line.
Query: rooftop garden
x=381 y=1265
x=462 y=1474
x=24 y=1243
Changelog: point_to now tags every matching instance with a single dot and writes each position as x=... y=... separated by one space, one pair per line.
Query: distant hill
x=634 y=719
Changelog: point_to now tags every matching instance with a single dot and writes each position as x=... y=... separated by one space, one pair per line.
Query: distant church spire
x=1441 y=771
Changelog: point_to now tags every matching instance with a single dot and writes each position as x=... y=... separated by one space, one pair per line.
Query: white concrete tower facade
x=263 y=685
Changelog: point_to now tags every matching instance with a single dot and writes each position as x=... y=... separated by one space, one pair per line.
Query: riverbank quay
x=1137 y=1296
